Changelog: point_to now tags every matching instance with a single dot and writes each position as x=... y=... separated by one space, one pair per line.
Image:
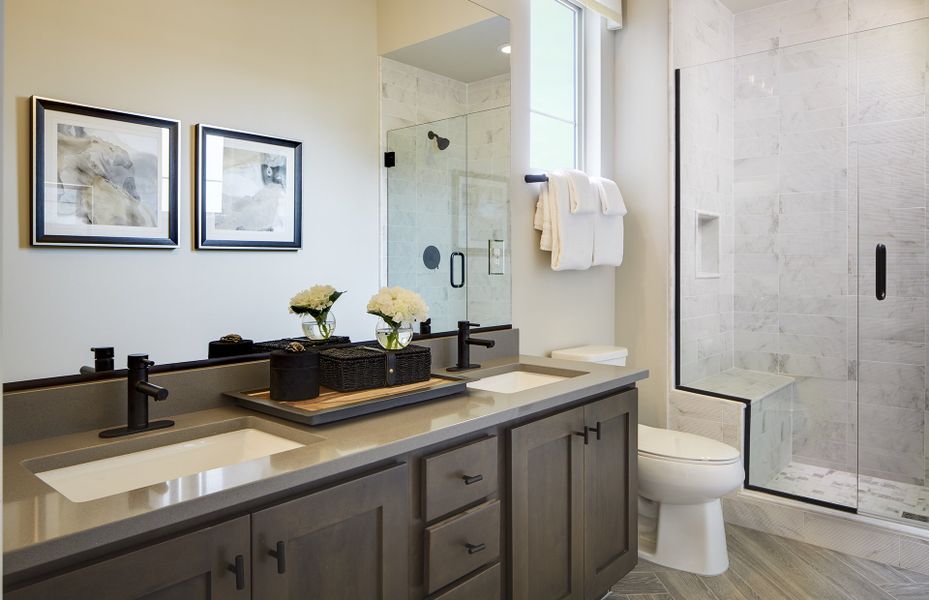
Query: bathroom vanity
x=526 y=492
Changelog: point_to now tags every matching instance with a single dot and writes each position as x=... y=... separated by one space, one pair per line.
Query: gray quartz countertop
x=40 y=525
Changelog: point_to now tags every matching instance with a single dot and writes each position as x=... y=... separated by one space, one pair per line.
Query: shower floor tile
x=880 y=497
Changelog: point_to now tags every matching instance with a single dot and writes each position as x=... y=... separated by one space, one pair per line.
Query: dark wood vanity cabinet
x=346 y=542
x=540 y=509
x=197 y=566
x=574 y=500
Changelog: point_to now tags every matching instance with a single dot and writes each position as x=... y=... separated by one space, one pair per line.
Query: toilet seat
x=681 y=447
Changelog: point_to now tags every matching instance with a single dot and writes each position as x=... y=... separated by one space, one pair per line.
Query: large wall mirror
x=445 y=114
x=421 y=85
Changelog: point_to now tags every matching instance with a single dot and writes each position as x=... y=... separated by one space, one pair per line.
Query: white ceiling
x=738 y=6
x=467 y=54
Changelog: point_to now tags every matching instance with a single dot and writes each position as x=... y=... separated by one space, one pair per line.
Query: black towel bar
x=536 y=178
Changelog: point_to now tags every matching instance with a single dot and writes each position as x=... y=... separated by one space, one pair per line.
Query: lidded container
x=294 y=374
x=603 y=355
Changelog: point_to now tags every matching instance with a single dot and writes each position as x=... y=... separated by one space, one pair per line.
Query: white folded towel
x=611 y=199
x=543 y=218
x=609 y=227
x=583 y=194
x=572 y=239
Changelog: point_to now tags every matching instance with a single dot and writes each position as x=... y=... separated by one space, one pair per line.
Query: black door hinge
x=390 y=159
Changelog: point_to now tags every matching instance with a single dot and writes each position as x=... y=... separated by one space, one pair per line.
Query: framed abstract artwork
x=249 y=191
x=102 y=177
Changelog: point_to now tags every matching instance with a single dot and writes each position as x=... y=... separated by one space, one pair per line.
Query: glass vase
x=392 y=337
x=319 y=329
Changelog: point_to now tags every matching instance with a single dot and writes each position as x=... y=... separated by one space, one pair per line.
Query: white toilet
x=682 y=477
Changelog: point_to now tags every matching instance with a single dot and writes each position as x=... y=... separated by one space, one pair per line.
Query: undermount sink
x=519 y=378
x=127 y=468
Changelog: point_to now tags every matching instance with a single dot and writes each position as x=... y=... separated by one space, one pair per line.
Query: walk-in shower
x=802 y=258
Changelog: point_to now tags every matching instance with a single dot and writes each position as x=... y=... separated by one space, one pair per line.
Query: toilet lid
x=678 y=445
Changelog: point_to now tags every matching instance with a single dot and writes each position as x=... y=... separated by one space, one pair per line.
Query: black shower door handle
x=881 y=283
x=451 y=270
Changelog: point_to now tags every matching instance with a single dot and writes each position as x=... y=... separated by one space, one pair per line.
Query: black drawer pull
x=469 y=479
x=239 y=569
x=584 y=434
x=281 y=557
x=596 y=429
x=475 y=548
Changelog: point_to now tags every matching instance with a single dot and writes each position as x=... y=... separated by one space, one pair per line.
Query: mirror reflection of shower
x=440 y=141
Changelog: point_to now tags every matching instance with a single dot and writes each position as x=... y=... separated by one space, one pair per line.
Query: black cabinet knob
x=596 y=430
x=469 y=479
x=239 y=569
x=584 y=434
x=475 y=548
x=280 y=554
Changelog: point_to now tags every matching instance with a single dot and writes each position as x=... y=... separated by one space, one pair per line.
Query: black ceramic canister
x=230 y=345
x=294 y=375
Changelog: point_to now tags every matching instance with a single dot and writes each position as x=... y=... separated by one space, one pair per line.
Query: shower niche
x=446 y=133
x=707 y=250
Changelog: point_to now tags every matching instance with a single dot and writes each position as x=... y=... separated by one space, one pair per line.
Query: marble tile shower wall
x=791 y=280
x=888 y=137
x=812 y=120
x=703 y=31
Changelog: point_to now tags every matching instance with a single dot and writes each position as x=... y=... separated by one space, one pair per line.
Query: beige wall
x=304 y=70
x=642 y=170
x=402 y=23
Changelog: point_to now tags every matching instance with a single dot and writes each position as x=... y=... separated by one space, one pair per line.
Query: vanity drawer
x=458 y=477
x=459 y=545
x=483 y=586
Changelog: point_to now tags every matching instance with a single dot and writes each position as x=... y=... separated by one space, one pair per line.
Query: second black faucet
x=464 y=346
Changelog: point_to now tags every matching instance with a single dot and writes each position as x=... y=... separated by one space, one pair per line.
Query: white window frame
x=579 y=123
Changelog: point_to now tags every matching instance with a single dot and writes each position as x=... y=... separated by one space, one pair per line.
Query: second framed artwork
x=249 y=191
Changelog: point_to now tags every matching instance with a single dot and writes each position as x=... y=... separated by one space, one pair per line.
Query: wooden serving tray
x=331 y=405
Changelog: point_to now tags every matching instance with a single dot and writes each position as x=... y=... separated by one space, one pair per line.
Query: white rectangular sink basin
x=514 y=381
x=105 y=477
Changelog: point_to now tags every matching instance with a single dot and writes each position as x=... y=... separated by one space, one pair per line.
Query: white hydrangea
x=397 y=305
x=314 y=300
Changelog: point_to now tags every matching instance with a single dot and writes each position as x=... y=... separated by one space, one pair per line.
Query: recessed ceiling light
x=505 y=48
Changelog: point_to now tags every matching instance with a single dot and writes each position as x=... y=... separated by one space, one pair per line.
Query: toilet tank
x=604 y=355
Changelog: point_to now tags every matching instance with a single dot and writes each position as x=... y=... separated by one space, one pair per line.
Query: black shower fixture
x=440 y=141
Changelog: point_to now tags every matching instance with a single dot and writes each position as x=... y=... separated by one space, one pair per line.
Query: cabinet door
x=346 y=542
x=610 y=491
x=190 y=567
x=546 y=495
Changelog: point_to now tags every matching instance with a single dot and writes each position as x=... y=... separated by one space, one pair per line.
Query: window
x=554 y=87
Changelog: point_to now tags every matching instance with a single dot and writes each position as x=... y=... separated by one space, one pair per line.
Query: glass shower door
x=427 y=217
x=887 y=160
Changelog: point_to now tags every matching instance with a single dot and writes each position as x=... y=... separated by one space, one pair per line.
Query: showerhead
x=440 y=141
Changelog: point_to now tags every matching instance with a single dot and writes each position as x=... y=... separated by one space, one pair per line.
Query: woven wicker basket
x=361 y=368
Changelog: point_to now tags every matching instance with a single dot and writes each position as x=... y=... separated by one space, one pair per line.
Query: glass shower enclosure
x=448 y=216
x=802 y=262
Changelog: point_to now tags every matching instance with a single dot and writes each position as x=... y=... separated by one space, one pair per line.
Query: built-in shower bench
x=767 y=416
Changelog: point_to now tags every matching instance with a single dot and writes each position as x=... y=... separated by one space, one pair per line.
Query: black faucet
x=140 y=390
x=103 y=361
x=464 y=346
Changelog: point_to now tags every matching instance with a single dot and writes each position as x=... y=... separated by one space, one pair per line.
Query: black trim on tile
x=805 y=499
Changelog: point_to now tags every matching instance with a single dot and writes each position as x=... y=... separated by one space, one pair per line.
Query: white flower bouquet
x=399 y=308
x=316 y=302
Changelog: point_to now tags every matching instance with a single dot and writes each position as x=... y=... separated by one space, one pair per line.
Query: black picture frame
x=206 y=237
x=70 y=229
